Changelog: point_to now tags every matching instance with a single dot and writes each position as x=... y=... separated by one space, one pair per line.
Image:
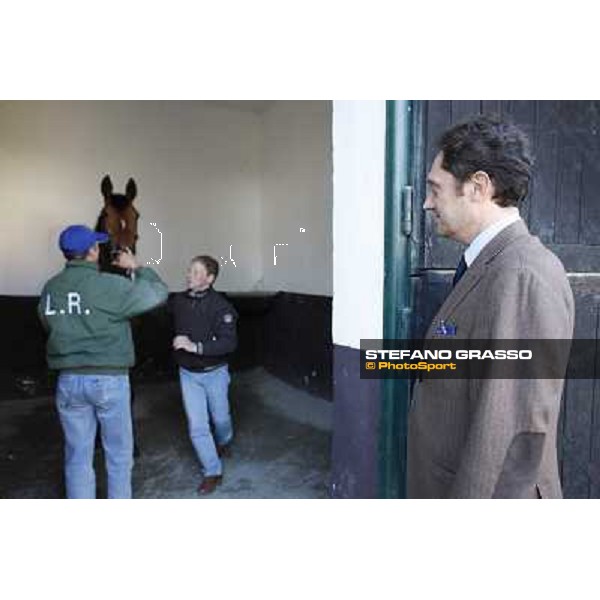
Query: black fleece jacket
x=207 y=318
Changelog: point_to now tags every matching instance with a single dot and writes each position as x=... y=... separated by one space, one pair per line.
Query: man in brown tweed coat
x=489 y=438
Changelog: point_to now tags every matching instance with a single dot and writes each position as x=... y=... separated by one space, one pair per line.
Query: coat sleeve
x=511 y=418
x=223 y=338
x=124 y=298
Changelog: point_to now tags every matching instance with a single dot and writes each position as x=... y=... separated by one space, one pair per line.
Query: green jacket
x=86 y=314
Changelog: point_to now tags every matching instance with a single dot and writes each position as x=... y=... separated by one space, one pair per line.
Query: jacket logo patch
x=228 y=318
x=73 y=306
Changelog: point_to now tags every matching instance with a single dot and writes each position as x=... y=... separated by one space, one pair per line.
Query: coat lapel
x=477 y=270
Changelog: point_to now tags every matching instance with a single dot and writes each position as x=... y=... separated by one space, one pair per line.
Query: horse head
x=118 y=219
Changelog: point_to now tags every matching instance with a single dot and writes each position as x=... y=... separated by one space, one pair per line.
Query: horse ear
x=130 y=190
x=106 y=187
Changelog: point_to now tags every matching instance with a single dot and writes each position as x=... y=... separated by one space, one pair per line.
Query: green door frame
x=395 y=396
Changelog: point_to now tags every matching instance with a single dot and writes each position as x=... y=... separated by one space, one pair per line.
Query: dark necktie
x=460 y=270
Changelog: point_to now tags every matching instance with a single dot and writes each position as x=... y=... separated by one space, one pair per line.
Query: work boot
x=209 y=484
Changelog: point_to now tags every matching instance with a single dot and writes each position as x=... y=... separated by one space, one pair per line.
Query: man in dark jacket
x=86 y=314
x=205 y=334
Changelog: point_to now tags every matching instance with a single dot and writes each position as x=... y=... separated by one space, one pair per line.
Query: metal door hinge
x=407 y=210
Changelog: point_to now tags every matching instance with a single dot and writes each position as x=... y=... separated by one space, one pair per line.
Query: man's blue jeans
x=205 y=401
x=83 y=401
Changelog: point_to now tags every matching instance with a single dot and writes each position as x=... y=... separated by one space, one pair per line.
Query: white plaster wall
x=197 y=166
x=297 y=192
x=358 y=220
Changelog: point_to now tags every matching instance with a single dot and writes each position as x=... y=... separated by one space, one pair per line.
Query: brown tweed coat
x=494 y=438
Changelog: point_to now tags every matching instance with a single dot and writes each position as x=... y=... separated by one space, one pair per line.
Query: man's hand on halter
x=126 y=260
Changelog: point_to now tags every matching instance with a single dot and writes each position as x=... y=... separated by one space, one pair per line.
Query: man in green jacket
x=86 y=314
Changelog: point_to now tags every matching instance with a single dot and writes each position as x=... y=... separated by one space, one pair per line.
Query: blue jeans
x=83 y=401
x=205 y=401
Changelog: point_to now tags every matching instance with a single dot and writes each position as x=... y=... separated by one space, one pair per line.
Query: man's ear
x=94 y=252
x=483 y=188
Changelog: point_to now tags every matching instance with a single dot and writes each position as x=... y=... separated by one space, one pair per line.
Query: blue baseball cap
x=78 y=239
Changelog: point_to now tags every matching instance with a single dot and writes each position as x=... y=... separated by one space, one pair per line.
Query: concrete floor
x=281 y=448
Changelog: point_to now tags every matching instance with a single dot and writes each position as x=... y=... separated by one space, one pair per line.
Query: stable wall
x=358 y=260
x=210 y=175
x=358 y=212
x=196 y=165
x=297 y=192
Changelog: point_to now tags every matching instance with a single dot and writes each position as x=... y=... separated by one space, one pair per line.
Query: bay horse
x=119 y=218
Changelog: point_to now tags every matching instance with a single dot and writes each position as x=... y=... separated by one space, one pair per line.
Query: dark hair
x=210 y=264
x=501 y=149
